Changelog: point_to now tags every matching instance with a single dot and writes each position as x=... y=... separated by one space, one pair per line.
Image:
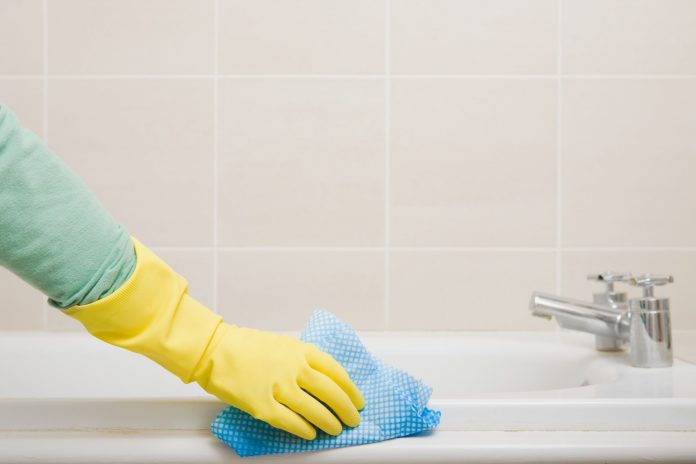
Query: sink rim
x=616 y=405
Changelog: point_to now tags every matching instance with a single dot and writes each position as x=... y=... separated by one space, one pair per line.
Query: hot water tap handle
x=609 y=278
x=648 y=281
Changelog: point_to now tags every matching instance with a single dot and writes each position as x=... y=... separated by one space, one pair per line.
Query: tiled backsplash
x=407 y=164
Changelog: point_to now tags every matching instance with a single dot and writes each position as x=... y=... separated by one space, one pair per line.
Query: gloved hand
x=272 y=377
x=266 y=375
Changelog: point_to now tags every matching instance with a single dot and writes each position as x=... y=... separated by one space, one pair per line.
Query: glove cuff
x=153 y=315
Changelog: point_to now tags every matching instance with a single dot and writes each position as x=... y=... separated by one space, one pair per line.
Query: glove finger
x=327 y=365
x=282 y=418
x=311 y=409
x=326 y=390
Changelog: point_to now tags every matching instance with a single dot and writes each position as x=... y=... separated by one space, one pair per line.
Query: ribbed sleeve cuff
x=152 y=314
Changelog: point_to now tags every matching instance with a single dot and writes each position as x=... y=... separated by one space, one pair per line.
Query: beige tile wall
x=407 y=164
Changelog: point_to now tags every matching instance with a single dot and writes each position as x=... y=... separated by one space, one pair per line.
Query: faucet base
x=608 y=343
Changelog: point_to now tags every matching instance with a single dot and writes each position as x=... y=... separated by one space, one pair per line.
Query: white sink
x=539 y=381
x=490 y=365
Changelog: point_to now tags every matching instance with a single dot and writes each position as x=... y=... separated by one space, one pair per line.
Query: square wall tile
x=301 y=162
x=145 y=147
x=462 y=290
x=21 y=37
x=302 y=36
x=474 y=36
x=629 y=36
x=22 y=305
x=680 y=264
x=130 y=36
x=56 y=321
x=629 y=160
x=473 y=162
x=279 y=290
x=25 y=98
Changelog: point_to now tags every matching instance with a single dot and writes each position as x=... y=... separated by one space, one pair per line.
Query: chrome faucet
x=644 y=322
x=616 y=300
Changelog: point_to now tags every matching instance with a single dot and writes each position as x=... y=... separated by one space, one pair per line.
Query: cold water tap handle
x=650 y=323
x=649 y=281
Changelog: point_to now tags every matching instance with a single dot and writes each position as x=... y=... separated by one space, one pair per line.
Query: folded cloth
x=395 y=402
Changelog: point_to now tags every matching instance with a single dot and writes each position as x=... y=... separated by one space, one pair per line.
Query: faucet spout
x=601 y=320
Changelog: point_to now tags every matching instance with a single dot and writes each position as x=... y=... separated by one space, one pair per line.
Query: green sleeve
x=54 y=233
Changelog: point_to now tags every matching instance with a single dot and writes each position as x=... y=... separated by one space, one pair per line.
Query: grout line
x=305 y=76
x=468 y=249
x=190 y=76
x=632 y=249
x=22 y=77
x=343 y=76
x=60 y=77
x=290 y=249
x=216 y=152
x=559 y=157
x=44 y=65
x=281 y=76
x=44 y=103
x=544 y=76
x=629 y=76
x=472 y=76
x=387 y=159
x=181 y=248
x=559 y=149
x=556 y=75
x=350 y=248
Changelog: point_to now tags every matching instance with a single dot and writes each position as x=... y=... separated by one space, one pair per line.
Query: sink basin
x=487 y=365
x=59 y=383
x=474 y=365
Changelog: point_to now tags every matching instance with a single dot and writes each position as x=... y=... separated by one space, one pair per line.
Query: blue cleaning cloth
x=395 y=402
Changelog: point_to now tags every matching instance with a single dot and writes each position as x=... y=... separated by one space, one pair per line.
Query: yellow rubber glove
x=275 y=378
